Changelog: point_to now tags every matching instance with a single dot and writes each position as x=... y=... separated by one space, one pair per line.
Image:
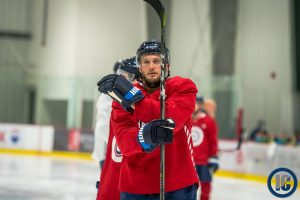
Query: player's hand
x=101 y=163
x=213 y=164
x=121 y=90
x=97 y=184
x=106 y=84
x=156 y=132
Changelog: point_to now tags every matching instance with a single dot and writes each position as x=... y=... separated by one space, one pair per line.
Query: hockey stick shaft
x=240 y=134
x=160 y=10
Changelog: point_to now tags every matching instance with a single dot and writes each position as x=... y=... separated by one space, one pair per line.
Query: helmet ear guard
x=199 y=98
x=167 y=57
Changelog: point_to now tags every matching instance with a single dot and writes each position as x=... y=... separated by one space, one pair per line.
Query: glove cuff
x=213 y=160
x=132 y=92
x=145 y=146
x=131 y=97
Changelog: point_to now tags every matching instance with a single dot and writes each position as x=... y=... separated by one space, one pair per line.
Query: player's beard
x=151 y=83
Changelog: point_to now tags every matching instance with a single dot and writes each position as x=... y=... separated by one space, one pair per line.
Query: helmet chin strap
x=168 y=71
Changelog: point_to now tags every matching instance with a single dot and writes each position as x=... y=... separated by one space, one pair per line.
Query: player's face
x=197 y=107
x=150 y=68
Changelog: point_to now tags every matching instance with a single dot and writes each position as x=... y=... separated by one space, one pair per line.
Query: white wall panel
x=84 y=39
x=190 y=44
x=263 y=48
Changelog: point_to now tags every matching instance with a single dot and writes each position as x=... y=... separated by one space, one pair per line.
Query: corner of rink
x=255 y=161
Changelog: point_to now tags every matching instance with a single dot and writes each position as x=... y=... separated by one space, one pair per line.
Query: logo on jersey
x=197 y=136
x=116 y=154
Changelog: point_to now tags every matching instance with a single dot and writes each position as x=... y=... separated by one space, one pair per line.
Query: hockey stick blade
x=159 y=8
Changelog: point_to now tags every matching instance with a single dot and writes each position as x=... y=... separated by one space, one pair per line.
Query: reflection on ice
x=44 y=178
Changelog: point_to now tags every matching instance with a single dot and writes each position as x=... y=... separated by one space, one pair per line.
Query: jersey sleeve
x=125 y=128
x=101 y=130
x=104 y=106
x=180 y=103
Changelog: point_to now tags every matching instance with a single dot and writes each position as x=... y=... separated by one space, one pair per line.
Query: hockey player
x=205 y=143
x=103 y=110
x=139 y=131
x=109 y=178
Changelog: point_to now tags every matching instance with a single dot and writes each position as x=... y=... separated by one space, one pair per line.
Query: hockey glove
x=156 y=132
x=101 y=164
x=121 y=90
x=213 y=164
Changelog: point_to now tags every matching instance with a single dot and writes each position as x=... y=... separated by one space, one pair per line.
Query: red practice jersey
x=109 y=178
x=205 y=138
x=140 y=171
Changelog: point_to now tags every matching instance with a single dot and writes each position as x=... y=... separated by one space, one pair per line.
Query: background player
x=205 y=143
x=109 y=178
x=103 y=110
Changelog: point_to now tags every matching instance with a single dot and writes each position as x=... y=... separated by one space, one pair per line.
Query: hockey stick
x=237 y=148
x=241 y=135
x=160 y=10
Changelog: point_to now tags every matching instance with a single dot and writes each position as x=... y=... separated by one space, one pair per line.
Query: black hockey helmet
x=199 y=99
x=117 y=65
x=129 y=65
x=151 y=47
